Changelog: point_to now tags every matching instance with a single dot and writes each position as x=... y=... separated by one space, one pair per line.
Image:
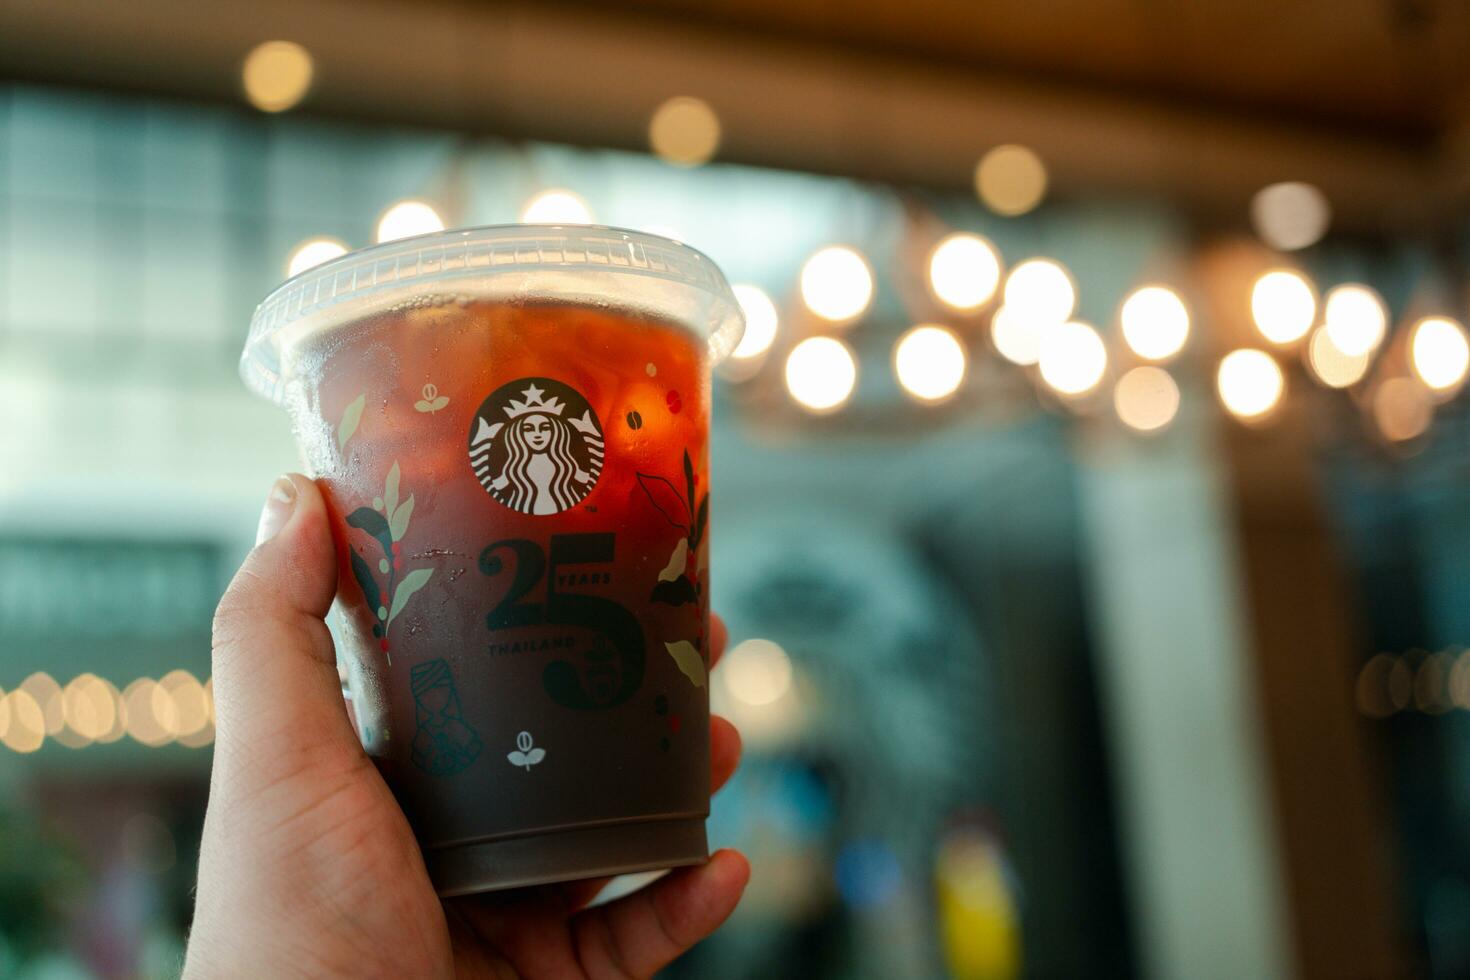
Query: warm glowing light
x=1372 y=687
x=1155 y=323
x=190 y=703
x=1250 y=383
x=1403 y=409
x=26 y=730
x=1041 y=290
x=837 y=284
x=1290 y=215
x=408 y=218
x=684 y=131
x=1330 y=365
x=929 y=361
x=761 y=322
x=556 y=207
x=313 y=252
x=44 y=690
x=88 y=706
x=1439 y=352
x=821 y=373
x=1010 y=179
x=1073 y=357
x=1146 y=399
x=119 y=726
x=964 y=271
x=1283 y=305
x=277 y=75
x=151 y=713
x=1016 y=337
x=757 y=672
x=1356 y=319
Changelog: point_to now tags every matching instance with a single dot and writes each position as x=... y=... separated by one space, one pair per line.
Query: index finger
x=718 y=637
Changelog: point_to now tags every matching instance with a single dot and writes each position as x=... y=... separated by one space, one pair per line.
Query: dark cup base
x=567 y=855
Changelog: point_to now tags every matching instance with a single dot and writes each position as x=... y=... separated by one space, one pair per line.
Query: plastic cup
x=511 y=428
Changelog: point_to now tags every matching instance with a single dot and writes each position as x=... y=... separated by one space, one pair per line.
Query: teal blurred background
x=1029 y=687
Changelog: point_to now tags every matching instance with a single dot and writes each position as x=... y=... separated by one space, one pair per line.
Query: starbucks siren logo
x=536 y=446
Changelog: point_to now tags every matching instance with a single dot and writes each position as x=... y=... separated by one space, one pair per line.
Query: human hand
x=308 y=866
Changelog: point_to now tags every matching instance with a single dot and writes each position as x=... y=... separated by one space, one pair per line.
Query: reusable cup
x=511 y=428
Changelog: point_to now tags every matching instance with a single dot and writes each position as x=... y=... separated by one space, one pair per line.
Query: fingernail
x=278 y=508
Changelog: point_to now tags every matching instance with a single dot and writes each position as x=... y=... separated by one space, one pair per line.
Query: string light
x=821 y=373
x=837 y=284
x=757 y=672
x=1356 y=319
x=44 y=690
x=1073 y=358
x=25 y=730
x=684 y=131
x=1290 y=215
x=1041 y=290
x=1016 y=337
x=1283 y=306
x=556 y=207
x=1439 y=352
x=1155 y=323
x=1250 y=384
x=277 y=75
x=408 y=218
x=90 y=710
x=761 y=322
x=929 y=362
x=1146 y=399
x=1010 y=180
x=1330 y=365
x=964 y=271
x=313 y=252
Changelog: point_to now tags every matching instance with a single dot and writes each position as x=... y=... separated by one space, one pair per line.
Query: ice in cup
x=511 y=427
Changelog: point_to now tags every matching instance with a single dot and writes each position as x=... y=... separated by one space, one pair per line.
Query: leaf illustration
x=518 y=759
x=411 y=583
x=369 y=520
x=390 y=491
x=677 y=561
x=526 y=759
x=696 y=533
x=688 y=659
x=365 y=580
x=399 y=524
x=666 y=499
x=350 y=418
x=535 y=755
x=689 y=479
x=675 y=593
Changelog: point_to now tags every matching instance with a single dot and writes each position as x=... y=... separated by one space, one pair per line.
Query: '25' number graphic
x=613 y=668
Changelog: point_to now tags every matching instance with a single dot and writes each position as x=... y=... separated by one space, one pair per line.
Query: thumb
x=278 y=700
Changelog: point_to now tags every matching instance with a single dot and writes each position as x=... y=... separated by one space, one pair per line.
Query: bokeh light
x=1330 y=365
x=44 y=690
x=1283 y=305
x=277 y=75
x=1250 y=384
x=1356 y=319
x=684 y=131
x=190 y=703
x=313 y=252
x=151 y=713
x=1016 y=337
x=964 y=271
x=1155 y=323
x=556 y=206
x=757 y=671
x=1372 y=687
x=408 y=218
x=1146 y=399
x=1402 y=409
x=25 y=730
x=761 y=321
x=89 y=708
x=1073 y=358
x=1041 y=290
x=929 y=361
x=1439 y=352
x=1290 y=215
x=1010 y=180
x=837 y=284
x=821 y=373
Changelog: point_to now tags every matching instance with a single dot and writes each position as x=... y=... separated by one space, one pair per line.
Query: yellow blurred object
x=979 y=925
